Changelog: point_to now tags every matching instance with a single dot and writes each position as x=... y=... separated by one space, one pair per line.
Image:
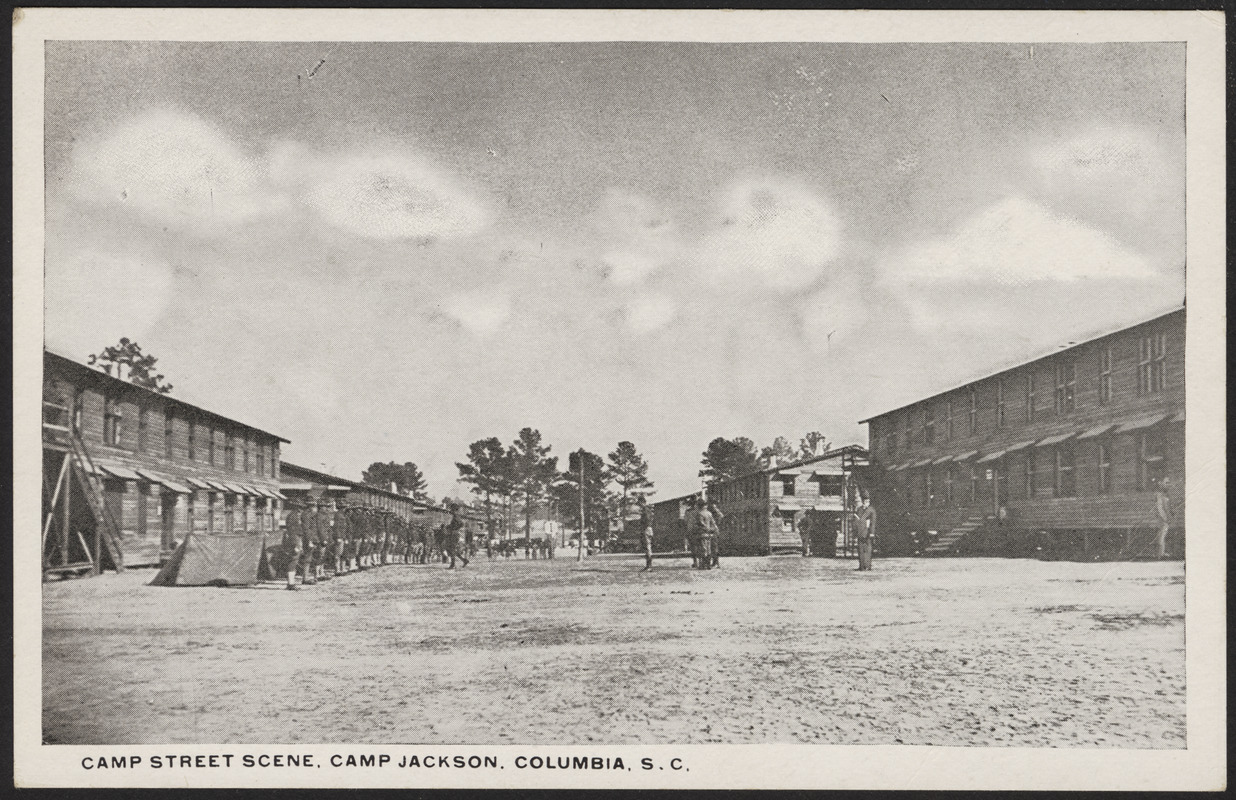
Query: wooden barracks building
x=765 y=511
x=127 y=472
x=1059 y=456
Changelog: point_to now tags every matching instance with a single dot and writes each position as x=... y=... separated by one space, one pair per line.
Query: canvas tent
x=202 y=560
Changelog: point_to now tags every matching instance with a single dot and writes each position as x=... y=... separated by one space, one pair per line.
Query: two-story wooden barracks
x=765 y=512
x=128 y=472
x=1059 y=456
x=156 y=466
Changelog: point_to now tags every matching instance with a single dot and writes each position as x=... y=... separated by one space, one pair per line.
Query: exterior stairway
x=944 y=544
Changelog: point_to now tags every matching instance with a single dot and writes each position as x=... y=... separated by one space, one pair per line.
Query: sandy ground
x=918 y=651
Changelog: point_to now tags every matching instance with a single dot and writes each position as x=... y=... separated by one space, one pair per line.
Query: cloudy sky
x=387 y=251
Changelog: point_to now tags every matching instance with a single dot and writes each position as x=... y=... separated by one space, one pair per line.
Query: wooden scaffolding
x=80 y=534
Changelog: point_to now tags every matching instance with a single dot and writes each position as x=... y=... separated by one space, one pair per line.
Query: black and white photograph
x=619 y=399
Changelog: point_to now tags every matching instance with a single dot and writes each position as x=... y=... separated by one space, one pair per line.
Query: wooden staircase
x=945 y=544
x=78 y=467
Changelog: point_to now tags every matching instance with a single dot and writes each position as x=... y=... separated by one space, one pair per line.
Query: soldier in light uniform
x=291 y=544
x=645 y=529
x=339 y=539
x=714 y=545
x=706 y=533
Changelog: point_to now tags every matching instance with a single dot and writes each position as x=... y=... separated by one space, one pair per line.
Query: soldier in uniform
x=291 y=544
x=645 y=529
x=706 y=533
x=321 y=541
x=309 y=526
x=338 y=539
x=689 y=520
x=714 y=544
x=454 y=529
x=1163 y=516
x=866 y=529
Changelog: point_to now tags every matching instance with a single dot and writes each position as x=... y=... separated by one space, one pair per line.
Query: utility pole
x=580 y=555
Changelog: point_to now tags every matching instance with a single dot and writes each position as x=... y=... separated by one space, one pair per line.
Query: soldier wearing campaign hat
x=293 y=529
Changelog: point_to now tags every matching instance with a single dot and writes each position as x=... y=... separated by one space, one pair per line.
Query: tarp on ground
x=202 y=560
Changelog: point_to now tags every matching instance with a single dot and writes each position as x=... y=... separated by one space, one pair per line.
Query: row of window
x=1151 y=378
x=233 y=514
x=1050 y=470
x=201 y=445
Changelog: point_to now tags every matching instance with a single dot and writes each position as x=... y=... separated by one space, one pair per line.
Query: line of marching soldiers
x=320 y=542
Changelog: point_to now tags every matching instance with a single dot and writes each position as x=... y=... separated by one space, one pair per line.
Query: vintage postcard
x=632 y=399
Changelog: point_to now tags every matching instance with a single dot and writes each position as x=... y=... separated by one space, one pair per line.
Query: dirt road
x=918 y=651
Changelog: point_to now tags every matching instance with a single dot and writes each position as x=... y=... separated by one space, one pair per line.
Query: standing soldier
x=706 y=533
x=362 y=538
x=804 y=532
x=866 y=524
x=714 y=544
x=292 y=529
x=1163 y=514
x=338 y=539
x=645 y=529
x=322 y=541
x=690 y=526
x=309 y=527
x=549 y=546
x=384 y=535
x=453 y=536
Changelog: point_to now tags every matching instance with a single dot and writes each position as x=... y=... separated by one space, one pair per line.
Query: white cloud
x=482 y=313
x=380 y=196
x=649 y=312
x=92 y=299
x=771 y=234
x=173 y=168
x=1016 y=242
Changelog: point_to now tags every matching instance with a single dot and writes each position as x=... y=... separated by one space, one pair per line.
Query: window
x=787 y=521
x=261 y=459
x=143 y=421
x=210 y=446
x=113 y=421
x=75 y=419
x=1104 y=462
x=948 y=420
x=1066 y=480
x=830 y=485
x=948 y=484
x=1158 y=364
x=1029 y=397
x=1152 y=363
x=229 y=452
x=168 y=419
x=1000 y=403
x=1066 y=383
x=246 y=454
x=890 y=444
x=229 y=510
x=974 y=481
x=1030 y=482
x=1105 y=375
x=973 y=411
x=787 y=485
x=929 y=424
x=210 y=512
x=1150 y=460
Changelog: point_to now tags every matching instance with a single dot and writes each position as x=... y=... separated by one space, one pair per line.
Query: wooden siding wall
x=1125 y=505
x=142 y=536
